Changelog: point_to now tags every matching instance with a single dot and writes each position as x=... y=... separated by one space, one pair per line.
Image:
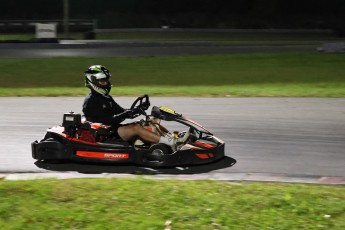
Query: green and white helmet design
x=98 y=78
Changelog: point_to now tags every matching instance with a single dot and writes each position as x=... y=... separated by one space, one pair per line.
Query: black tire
x=155 y=155
x=50 y=137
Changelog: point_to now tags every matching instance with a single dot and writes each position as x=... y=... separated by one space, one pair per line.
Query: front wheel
x=156 y=155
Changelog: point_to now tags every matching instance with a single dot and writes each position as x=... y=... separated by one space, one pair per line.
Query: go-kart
x=83 y=141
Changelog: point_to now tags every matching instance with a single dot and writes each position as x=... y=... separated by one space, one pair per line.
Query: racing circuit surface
x=294 y=136
x=108 y=48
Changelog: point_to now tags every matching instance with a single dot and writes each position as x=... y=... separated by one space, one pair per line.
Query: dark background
x=235 y=14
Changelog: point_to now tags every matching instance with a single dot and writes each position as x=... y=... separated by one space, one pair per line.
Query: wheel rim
x=157 y=152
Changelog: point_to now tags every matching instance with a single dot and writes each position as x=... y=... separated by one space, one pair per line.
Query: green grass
x=217 y=36
x=168 y=35
x=262 y=90
x=273 y=74
x=148 y=204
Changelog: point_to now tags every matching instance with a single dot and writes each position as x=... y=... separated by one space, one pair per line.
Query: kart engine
x=71 y=122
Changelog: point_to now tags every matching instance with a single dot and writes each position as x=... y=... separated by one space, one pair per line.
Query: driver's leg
x=127 y=132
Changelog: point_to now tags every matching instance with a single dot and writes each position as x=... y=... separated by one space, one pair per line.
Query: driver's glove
x=132 y=113
x=129 y=113
x=136 y=111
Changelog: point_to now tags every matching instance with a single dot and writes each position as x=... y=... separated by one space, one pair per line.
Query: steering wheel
x=141 y=104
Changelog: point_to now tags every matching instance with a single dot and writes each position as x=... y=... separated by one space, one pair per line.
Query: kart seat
x=95 y=132
x=116 y=141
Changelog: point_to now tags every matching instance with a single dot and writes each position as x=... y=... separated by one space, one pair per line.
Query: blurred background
x=289 y=33
x=85 y=16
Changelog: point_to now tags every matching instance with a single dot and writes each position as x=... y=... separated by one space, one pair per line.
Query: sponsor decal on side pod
x=103 y=155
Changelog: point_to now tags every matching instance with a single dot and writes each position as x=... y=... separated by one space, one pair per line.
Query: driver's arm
x=120 y=114
x=118 y=118
x=95 y=115
x=95 y=112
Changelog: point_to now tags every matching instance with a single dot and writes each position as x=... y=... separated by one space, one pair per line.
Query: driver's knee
x=138 y=130
x=135 y=128
x=126 y=132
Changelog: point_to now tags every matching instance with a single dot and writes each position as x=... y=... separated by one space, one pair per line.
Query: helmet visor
x=104 y=82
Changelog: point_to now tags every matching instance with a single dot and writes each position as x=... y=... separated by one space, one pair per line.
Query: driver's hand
x=128 y=113
x=136 y=111
x=132 y=113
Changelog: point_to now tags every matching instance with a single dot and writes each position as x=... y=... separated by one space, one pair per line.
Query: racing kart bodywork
x=83 y=141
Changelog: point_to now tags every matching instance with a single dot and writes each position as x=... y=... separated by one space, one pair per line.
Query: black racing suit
x=103 y=109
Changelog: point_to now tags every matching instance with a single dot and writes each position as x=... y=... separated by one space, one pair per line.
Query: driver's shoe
x=168 y=140
x=173 y=142
x=184 y=138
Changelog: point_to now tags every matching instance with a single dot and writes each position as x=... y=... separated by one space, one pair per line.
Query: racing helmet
x=98 y=78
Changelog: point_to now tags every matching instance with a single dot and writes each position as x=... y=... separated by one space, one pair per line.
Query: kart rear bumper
x=49 y=150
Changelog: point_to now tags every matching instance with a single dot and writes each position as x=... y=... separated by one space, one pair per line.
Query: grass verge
x=217 y=36
x=251 y=90
x=149 y=204
x=271 y=74
x=168 y=35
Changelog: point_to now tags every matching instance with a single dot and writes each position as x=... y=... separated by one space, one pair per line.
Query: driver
x=100 y=107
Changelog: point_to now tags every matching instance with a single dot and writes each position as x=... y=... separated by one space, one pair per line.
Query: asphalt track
x=268 y=137
x=90 y=48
